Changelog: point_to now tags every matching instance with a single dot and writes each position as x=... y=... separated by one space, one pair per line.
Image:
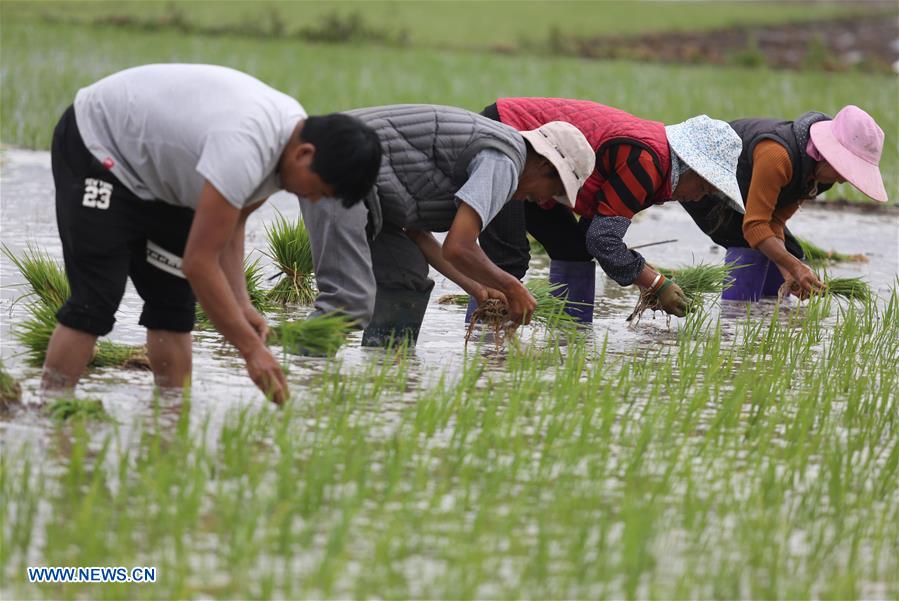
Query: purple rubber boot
x=749 y=275
x=773 y=281
x=579 y=282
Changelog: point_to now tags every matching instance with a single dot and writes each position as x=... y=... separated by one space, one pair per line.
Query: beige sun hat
x=563 y=145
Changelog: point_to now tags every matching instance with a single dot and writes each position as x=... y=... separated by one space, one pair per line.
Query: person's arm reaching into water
x=771 y=171
x=232 y=261
x=798 y=276
x=779 y=219
x=216 y=222
x=432 y=251
x=492 y=180
x=631 y=178
x=461 y=249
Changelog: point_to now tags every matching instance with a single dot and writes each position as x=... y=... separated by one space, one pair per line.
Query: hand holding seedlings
x=671 y=299
x=517 y=302
x=522 y=304
x=691 y=282
x=549 y=312
x=484 y=293
x=266 y=373
x=802 y=281
x=662 y=295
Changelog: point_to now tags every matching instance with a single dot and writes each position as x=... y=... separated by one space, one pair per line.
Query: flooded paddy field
x=741 y=452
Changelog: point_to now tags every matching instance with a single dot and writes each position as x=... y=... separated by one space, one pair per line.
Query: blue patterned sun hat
x=711 y=148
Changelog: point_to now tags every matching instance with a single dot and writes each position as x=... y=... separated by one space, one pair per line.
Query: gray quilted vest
x=427 y=150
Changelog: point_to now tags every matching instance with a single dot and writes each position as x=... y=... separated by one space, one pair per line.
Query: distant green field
x=44 y=65
x=466 y=24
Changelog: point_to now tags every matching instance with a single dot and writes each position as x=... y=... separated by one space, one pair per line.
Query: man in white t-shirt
x=157 y=169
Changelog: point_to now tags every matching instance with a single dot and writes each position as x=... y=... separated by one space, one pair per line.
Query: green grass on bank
x=463 y=24
x=44 y=65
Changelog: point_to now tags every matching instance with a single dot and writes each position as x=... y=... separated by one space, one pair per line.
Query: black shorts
x=108 y=234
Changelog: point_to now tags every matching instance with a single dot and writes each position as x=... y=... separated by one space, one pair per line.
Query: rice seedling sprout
x=848 y=288
x=291 y=251
x=68 y=408
x=45 y=279
x=453 y=299
x=817 y=256
x=10 y=391
x=259 y=297
x=316 y=336
x=48 y=289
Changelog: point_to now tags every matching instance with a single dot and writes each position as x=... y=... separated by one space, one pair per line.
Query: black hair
x=347 y=154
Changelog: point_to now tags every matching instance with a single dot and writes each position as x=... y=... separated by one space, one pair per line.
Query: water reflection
x=220 y=383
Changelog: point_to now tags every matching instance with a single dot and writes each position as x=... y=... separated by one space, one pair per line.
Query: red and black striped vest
x=601 y=125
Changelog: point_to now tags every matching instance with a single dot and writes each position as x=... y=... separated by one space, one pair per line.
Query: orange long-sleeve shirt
x=772 y=170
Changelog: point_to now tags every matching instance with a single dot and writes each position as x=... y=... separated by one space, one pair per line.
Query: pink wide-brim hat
x=852 y=143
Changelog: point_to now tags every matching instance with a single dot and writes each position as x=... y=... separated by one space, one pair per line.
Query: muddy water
x=27 y=216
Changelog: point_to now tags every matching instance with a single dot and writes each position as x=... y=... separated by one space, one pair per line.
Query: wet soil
x=869 y=43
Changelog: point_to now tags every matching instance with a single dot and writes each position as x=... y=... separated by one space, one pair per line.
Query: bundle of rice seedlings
x=34 y=333
x=849 y=288
x=10 y=391
x=46 y=280
x=536 y=247
x=290 y=249
x=258 y=295
x=66 y=408
x=550 y=313
x=49 y=287
x=318 y=336
x=453 y=299
x=694 y=280
x=815 y=255
x=113 y=354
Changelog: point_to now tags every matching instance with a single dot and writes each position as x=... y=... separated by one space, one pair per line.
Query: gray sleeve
x=341 y=258
x=492 y=179
x=605 y=241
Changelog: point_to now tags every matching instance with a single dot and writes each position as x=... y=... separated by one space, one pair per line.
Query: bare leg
x=170 y=357
x=68 y=354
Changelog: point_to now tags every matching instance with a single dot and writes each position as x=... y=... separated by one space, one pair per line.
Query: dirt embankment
x=869 y=43
x=856 y=206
